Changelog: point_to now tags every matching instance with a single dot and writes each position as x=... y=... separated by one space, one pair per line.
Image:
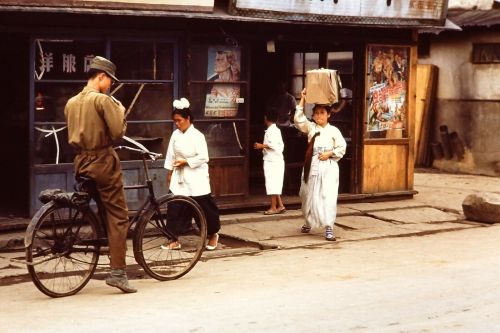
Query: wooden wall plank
x=228 y=180
x=423 y=72
x=426 y=87
x=385 y=168
x=412 y=87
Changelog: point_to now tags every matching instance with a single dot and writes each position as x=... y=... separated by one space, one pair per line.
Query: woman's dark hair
x=184 y=113
x=93 y=72
x=327 y=107
x=271 y=115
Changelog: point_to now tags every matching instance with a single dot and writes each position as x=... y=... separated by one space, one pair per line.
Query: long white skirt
x=274 y=172
x=319 y=194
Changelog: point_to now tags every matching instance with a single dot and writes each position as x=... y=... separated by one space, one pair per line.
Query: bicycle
x=66 y=236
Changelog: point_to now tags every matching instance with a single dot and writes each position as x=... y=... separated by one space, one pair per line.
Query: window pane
x=64 y=59
x=297 y=86
x=51 y=145
x=486 y=53
x=142 y=60
x=343 y=120
x=153 y=136
x=51 y=98
x=346 y=81
x=153 y=101
x=312 y=61
x=164 y=61
x=222 y=138
x=341 y=61
x=298 y=63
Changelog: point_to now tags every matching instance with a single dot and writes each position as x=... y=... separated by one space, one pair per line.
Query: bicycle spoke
x=155 y=234
x=62 y=260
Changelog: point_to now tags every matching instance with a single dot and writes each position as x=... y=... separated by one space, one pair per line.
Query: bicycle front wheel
x=170 y=238
x=63 y=251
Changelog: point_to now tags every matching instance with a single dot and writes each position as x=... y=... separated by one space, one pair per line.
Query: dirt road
x=447 y=282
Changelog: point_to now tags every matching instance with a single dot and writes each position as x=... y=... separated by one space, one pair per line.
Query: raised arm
x=300 y=120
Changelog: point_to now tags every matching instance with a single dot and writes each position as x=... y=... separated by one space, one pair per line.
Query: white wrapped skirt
x=274 y=172
x=319 y=194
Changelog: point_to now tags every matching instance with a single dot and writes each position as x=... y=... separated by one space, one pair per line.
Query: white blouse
x=330 y=137
x=193 y=178
x=273 y=139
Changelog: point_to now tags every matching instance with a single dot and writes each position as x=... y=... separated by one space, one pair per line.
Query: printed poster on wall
x=224 y=63
x=387 y=87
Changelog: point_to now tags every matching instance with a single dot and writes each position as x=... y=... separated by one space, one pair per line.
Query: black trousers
x=179 y=215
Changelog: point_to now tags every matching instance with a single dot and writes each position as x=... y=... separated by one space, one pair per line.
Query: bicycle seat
x=48 y=194
x=67 y=199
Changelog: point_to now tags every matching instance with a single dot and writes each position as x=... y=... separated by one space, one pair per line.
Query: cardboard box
x=323 y=86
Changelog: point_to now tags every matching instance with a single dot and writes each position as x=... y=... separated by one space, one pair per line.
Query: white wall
x=468 y=100
x=470 y=4
x=458 y=77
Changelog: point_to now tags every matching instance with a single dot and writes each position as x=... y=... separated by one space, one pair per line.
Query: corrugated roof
x=468 y=18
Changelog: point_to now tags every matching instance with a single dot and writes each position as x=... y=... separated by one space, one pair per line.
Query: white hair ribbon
x=181 y=104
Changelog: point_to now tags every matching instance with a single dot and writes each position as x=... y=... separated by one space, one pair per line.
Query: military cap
x=105 y=65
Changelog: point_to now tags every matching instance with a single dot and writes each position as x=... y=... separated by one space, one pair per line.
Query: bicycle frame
x=151 y=200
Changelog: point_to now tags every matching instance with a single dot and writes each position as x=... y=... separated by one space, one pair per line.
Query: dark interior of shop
x=267 y=69
x=14 y=138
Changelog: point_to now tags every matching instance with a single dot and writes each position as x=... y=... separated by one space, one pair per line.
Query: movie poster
x=223 y=67
x=387 y=87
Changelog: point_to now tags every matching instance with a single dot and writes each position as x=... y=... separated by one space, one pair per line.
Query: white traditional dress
x=274 y=164
x=193 y=179
x=319 y=194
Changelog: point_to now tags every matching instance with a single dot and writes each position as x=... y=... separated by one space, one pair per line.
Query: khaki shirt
x=94 y=120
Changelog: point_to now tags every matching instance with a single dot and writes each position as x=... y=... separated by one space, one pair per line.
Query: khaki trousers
x=104 y=167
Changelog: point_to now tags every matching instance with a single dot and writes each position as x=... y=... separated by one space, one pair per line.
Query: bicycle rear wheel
x=176 y=218
x=64 y=249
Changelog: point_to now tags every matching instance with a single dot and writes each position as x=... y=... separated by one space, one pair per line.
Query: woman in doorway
x=187 y=164
x=320 y=176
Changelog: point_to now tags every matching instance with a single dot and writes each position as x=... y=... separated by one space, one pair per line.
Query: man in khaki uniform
x=95 y=120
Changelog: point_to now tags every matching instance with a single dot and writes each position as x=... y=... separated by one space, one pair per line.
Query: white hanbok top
x=193 y=178
x=273 y=139
x=330 y=137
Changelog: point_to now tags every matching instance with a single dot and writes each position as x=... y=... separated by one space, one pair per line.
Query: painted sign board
x=348 y=11
x=180 y=5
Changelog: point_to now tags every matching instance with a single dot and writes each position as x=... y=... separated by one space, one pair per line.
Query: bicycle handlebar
x=150 y=154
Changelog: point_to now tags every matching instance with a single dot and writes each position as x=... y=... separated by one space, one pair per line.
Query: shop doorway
x=14 y=134
x=289 y=63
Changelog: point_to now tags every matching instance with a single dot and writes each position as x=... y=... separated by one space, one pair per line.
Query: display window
x=217 y=91
x=147 y=83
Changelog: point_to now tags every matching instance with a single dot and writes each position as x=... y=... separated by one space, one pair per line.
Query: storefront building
x=169 y=49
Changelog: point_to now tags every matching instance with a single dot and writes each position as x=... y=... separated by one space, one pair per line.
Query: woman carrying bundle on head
x=320 y=176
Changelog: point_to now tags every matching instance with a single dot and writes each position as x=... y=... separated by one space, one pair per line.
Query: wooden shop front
x=170 y=51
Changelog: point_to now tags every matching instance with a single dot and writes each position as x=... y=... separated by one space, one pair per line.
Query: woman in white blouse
x=187 y=164
x=320 y=178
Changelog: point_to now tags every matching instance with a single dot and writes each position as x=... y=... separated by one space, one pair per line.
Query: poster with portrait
x=224 y=63
x=387 y=87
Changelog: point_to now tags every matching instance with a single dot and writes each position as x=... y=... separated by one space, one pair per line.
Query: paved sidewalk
x=355 y=222
x=437 y=208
